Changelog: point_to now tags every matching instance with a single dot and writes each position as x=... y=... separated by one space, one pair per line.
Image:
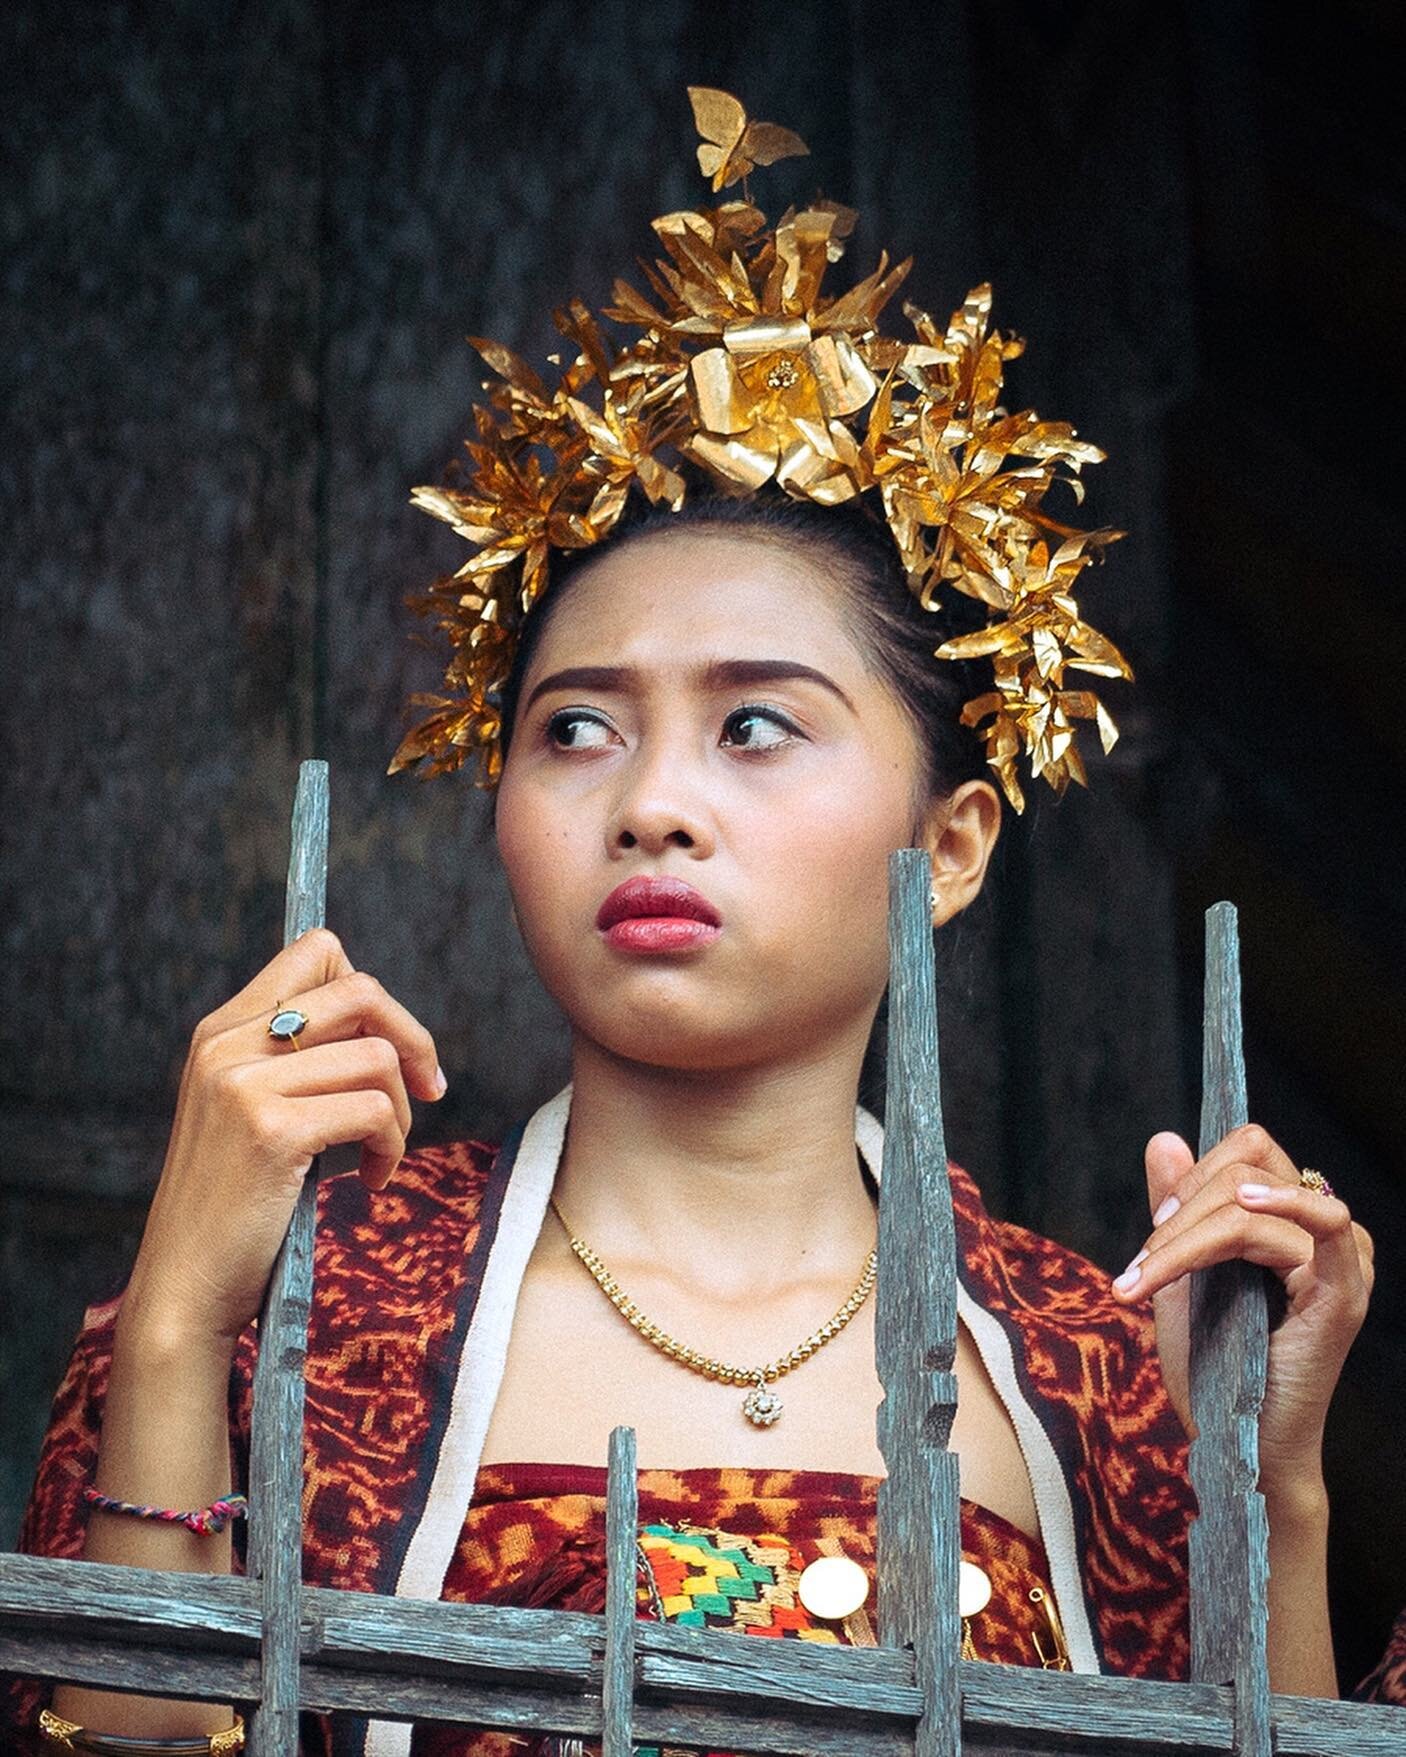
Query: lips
x=641 y=898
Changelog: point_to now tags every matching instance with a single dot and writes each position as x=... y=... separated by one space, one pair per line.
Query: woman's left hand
x=1244 y=1199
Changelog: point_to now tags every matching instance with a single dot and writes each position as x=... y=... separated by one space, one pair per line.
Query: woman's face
x=696 y=711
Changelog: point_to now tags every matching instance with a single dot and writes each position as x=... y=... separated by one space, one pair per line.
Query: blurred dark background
x=242 y=246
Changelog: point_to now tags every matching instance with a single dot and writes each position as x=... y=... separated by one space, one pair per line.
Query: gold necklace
x=761 y=1405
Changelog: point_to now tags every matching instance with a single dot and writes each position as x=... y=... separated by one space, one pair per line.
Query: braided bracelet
x=204 y=1522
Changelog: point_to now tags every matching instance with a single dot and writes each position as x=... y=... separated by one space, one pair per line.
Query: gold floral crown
x=744 y=367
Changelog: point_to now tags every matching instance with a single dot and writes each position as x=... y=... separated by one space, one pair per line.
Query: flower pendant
x=761 y=1405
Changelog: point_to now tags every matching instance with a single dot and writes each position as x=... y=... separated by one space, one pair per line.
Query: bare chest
x=575 y=1369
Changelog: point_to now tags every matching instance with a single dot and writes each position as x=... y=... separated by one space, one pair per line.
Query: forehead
x=671 y=597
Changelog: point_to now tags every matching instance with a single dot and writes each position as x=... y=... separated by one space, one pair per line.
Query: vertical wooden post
x=919 y=1512
x=1229 y=1356
x=621 y=1539
x=276 y=1442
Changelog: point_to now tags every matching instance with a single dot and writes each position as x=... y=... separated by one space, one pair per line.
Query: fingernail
x=1169 y=1207
x=1141 y=1257
x=1129 y=1278
x=441 y=1085
x=1254 y=1191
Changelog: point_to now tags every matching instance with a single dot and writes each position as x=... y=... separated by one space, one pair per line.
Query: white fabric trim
x=1047 y=1483
x=485 y=1353
x=480 y=1375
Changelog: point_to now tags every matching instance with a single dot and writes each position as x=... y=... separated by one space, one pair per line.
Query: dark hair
x=892 y=629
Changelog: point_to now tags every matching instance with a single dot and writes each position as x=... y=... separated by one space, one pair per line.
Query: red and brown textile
x=397 y=1280
x=1386 y=1682
x=535 y=1537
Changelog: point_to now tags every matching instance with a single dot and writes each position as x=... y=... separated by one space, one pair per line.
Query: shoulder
x=408 y=1245
x=429 y=1214
x=1032 y=1272
x=1049 y=1290
x=438 y=1189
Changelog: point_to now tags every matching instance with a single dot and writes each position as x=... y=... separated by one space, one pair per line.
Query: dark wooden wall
x=242 y=244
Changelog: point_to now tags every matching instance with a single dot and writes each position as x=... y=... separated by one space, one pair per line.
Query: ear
x=959 y=832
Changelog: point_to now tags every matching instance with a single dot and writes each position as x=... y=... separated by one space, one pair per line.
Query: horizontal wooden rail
x=187 y=1636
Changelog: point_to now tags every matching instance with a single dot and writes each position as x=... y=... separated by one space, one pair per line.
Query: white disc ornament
x=833 y=1587
x=973 y=1589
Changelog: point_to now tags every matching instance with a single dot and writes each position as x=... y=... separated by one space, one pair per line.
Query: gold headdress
x=742 y=365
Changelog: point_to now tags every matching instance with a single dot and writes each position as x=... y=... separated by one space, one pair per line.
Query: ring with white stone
x=287 y=1024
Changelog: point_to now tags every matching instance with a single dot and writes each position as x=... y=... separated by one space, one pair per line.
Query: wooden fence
x=276 y=1646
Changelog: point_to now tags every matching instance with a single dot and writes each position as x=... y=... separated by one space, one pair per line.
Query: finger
x=1338 y=1252
x=367 y=1116
x=1224 y=1235
x=356 y=1005
x=1251 y=1147
x=1171 y=1314
x=351 y=1065
x=1176 y=1216
x=1166 y=1159
x=314 y=958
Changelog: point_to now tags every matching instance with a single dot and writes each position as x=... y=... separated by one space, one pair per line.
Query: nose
x=659 y=806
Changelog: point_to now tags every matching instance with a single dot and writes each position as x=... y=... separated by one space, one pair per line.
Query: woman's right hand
x=252 y=1113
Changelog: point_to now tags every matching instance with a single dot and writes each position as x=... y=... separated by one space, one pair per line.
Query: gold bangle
x=69 y=1736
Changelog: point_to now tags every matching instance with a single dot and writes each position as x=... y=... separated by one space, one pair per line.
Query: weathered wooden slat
x=276 y=1440
x=116 y=1663
x=1306 y=1726
x=416 y=1636
x=719 y=1674
x=919 y=1516
x=495 y=1666
x=45 y=1591
x=622 y=1516
x=175 y=1613
x=690 y=1727
x=305 y=900
x=1229 y=1540
x=1023 y=1711
x=1080 y=1712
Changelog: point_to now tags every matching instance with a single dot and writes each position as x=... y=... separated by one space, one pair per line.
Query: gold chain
x=761 y=1407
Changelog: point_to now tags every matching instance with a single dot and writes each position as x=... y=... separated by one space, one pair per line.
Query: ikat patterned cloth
x=397 y=1277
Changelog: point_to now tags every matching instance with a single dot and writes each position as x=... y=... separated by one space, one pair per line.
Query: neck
x=757 y=1169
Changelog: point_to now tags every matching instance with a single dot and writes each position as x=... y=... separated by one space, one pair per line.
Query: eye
x=758 y=728
x=575 y=729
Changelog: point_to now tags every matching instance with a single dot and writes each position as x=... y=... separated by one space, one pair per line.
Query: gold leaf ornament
x=738 y=359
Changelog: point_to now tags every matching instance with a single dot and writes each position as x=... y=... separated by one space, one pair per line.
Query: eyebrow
x=716 y=674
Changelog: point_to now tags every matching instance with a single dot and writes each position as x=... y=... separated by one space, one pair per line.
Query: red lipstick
x=657 y=915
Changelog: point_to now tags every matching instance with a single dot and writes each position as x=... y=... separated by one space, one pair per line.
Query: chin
x=716 y=1035
x=688 y=1038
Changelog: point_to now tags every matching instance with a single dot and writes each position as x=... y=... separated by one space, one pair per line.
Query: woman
x=708 y=736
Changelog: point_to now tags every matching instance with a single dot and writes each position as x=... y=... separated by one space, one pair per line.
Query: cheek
x=827 y=852
x=533 y=842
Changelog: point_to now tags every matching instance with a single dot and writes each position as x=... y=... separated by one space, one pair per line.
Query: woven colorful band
x=706 y=1579
x=204 y=1521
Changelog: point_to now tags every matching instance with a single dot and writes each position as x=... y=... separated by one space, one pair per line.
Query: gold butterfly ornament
x=733 y=145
